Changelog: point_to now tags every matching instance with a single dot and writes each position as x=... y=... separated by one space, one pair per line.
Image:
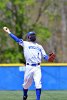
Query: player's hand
x=51 y=57
x=6 y=29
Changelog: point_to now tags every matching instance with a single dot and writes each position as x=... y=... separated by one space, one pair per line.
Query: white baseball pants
x=32 y=73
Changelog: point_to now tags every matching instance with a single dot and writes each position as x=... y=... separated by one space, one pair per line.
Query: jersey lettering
x=33 y=47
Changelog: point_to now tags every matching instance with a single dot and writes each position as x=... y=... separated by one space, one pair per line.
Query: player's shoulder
x=39 y=45
x=26 y=43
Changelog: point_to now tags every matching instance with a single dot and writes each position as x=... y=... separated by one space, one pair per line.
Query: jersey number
x=38 y=55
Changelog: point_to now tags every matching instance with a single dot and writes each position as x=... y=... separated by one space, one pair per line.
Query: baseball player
x=33 y=53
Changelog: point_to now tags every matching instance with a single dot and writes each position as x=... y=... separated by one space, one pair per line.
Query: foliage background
x=48 y=18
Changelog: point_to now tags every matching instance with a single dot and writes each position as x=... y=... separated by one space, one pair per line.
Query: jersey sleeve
x=45 y=56
x=19 y=41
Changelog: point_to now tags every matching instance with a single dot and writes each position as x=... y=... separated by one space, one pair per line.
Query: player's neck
x=32 y=41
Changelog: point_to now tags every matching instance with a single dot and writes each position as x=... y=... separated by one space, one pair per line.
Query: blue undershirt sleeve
x=14 y=37
x=20 y=41
x=46 y=57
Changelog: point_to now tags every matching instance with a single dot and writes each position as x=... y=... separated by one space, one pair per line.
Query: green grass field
x=46 y=95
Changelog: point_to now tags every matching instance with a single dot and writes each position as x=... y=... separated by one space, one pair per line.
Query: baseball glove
x=51 y=57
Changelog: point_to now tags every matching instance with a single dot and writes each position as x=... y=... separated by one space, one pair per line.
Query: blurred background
x=48 y=18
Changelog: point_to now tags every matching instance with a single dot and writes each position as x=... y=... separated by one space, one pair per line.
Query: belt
x=33 y=64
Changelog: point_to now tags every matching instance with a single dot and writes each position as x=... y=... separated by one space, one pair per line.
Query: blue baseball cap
x=29 y=33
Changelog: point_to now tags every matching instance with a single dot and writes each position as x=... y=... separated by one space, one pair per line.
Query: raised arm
x=7 y=30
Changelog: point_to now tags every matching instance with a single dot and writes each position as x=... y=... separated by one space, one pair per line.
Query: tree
x=45 y=17
x=14 y=13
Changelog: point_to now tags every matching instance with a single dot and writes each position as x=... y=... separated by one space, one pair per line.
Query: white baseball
x=6 y=29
